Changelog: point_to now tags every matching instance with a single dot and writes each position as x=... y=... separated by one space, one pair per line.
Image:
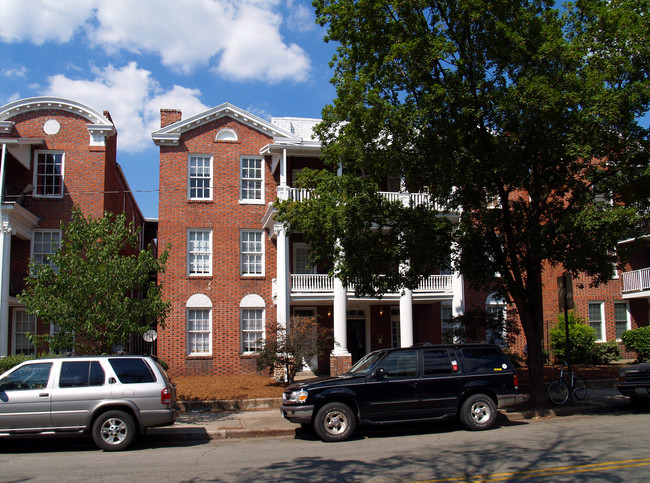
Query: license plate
x=641 y=390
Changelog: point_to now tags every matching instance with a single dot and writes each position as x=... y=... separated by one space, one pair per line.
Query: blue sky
x=133 y=58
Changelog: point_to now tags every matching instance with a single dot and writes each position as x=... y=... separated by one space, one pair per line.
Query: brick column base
x=340 y=364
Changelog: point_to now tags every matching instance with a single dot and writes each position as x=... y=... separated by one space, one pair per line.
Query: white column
x=340 y=319
x=406 y=317
x=5 y=258
x=458 y=301
x=283 y=285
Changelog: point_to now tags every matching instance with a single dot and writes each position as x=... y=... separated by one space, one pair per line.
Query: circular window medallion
x=51 y=126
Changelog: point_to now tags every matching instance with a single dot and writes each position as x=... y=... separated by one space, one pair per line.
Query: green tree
x=97 y=288
x=518 y=115
x=582 y=340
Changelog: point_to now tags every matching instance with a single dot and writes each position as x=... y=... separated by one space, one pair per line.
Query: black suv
x=419 y=383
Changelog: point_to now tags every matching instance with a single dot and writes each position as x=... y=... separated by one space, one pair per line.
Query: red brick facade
x=92 y=179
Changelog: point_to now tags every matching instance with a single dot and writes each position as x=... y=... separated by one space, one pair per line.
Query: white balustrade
x=636 y=280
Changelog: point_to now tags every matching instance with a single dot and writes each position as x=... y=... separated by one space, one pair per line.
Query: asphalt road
x=609 y=448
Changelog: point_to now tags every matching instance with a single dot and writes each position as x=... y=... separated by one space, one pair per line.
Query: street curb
x=230 y=405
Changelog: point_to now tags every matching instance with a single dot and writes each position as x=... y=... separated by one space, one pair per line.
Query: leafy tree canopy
x=520 y=115
x=97 y=288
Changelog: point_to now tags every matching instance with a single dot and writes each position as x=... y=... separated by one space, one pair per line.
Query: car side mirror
x=111 y=380
x=380 y=373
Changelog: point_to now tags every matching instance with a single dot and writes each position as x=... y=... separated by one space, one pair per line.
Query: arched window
x=496 y=308
x=226 y=135
x=252 y=312
x=198 y=310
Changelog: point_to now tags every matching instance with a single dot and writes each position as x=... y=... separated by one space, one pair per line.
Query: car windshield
x=366 y=363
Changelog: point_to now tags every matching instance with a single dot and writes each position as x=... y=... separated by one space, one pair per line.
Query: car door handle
x=44 y=394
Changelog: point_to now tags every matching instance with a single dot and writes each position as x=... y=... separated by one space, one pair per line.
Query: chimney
x=169 y=116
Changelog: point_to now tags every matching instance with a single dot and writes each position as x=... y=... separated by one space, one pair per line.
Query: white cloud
x=20 y=72
x=241 y=38
x=40 y=21
x=301 y=19
x=255 y=50
x=132 y=97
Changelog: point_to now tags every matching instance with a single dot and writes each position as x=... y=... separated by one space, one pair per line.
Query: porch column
x=5 y=258
x=406 y=317
x=458 y=300
x=283 y=285
x=340 y=358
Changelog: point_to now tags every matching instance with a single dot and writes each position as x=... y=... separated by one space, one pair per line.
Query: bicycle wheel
x=558 y=391
x=579 y=387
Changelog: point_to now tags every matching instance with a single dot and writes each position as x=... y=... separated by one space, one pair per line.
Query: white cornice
x=170 y=135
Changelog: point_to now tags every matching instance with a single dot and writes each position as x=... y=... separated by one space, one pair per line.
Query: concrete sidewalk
x=262 y=416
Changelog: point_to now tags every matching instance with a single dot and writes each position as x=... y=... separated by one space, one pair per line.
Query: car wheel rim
x=114 y=431
x=480 y=412
x=335 y=422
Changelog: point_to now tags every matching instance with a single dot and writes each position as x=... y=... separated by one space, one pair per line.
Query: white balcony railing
x=636 y=281
x=409 y=199
x=323 y=283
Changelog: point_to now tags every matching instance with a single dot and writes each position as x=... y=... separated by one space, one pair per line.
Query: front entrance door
x=356 y=338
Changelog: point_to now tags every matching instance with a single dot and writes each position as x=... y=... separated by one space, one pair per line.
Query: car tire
x=334 y=422
x=114 y=430
x=478 y=412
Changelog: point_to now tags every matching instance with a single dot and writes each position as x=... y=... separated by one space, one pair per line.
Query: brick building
x=56 y=153
x=232 y=268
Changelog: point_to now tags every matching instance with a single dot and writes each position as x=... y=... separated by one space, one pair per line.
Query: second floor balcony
x=636 y=284
x=312 y=286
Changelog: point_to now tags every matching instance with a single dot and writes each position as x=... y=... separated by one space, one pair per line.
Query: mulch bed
x=209 y=388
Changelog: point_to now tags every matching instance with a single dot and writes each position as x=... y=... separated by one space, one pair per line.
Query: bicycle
x=558 y=389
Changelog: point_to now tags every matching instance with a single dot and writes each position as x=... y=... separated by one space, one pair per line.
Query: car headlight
x=296 y=397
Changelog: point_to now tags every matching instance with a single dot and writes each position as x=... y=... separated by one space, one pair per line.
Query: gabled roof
x=170 y=135
x=98 y=124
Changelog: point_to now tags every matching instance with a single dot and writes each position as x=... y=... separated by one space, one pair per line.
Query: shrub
x=606 y=353
x=638 y=341
x=8 y=362
x=581 y=336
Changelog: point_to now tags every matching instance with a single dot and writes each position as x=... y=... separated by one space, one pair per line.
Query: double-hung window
x=199 y=176
x=44 y=244
x=621 y=318
x=252 y=180
x=199 y=252
x=252 y=329
x=48 y=174
x=24 y=324
x=199 y=331
x=597 y=319
x=252 y=253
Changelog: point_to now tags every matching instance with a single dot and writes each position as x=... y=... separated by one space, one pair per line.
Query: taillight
x=515 y=380
x=166 y=396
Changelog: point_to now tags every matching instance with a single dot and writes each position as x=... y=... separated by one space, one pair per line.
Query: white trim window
x=199 y=252
x=621 y=318
x=44 y=244
x=48 y=174
x=302 y=260
x=199 y=177
x=199 y=331
x=446 y=328
x=24 y=324
x=252 y=253
x=252 y=323
x=596 y=316
x=252 y=180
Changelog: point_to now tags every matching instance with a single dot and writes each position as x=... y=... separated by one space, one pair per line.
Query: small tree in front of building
x=290 y=348
x=97 y=288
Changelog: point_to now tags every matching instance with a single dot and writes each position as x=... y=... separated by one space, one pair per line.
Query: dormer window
x=226 y=135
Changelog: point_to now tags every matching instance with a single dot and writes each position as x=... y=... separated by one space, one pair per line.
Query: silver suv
x=114 y=398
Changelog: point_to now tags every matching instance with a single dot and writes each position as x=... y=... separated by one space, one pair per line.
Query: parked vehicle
x=634 y=381
x=425 y=382
x=114 y=398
